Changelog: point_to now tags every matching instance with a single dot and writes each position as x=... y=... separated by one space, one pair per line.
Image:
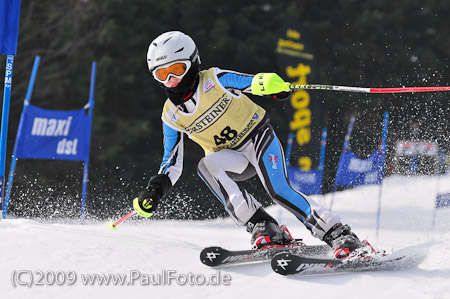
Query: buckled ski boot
x=345 y=243
x=268 y=234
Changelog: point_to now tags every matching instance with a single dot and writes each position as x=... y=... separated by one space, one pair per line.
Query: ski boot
x=266 y=234
x=345 y=243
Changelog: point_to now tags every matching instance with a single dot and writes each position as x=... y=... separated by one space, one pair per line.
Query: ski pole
x=113 y=225
x=368 y=89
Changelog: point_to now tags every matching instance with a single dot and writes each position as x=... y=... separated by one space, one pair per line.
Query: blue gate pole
x=344 y=148
x=26 y=102
x=442 y=150
x=323 y=144
x=86 y=161
x=289 y=149
x=4 y=129
x=383 y=148
x=413 y=164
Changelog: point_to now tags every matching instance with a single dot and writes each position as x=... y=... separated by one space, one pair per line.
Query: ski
x=287 y=263
x=218 y=256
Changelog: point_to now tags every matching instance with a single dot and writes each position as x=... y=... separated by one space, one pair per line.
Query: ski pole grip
x=269 y=83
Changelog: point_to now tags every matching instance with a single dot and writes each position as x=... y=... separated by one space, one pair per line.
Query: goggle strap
x=194 y=55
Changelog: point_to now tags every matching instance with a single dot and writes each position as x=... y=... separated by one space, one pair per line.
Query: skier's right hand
x=147 y=201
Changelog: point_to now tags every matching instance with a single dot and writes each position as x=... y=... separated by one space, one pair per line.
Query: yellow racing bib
x=221 y=119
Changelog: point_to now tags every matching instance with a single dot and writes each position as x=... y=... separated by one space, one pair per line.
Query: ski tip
x=212 y=248
x=211 y=256
x=280 y=263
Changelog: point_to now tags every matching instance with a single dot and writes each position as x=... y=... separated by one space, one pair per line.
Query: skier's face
x=173 y=82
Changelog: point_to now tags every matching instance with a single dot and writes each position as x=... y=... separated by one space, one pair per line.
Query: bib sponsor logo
x=210 y=116
x=208 y=85
x=172 y=116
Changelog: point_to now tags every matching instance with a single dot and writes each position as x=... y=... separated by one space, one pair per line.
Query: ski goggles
x=177 y=69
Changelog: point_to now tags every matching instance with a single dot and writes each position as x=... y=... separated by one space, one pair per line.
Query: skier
x=211 y=108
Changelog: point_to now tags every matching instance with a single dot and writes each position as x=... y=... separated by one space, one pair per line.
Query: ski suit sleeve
x=235 y=80
x=172 y=163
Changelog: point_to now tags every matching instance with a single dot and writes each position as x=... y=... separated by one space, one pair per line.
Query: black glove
x=147 y=201
x=282 y=96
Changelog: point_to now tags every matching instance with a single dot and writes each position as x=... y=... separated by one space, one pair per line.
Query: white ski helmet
x=170 y=47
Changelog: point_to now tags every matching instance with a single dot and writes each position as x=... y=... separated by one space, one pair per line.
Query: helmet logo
x=161 y=58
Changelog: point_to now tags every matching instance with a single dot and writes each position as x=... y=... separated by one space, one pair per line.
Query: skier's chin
x=173 y=82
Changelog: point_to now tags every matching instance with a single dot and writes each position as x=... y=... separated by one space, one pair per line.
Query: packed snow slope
x=151 y=249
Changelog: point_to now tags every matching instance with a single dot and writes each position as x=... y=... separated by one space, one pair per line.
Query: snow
x=153 y=248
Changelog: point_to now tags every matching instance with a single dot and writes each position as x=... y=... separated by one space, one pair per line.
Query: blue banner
x=50 y=134
x=9 y=26
x=308 y=182
x=443 y=201
x=353 y=171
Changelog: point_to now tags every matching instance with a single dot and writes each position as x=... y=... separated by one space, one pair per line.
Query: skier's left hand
x=268 y=84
